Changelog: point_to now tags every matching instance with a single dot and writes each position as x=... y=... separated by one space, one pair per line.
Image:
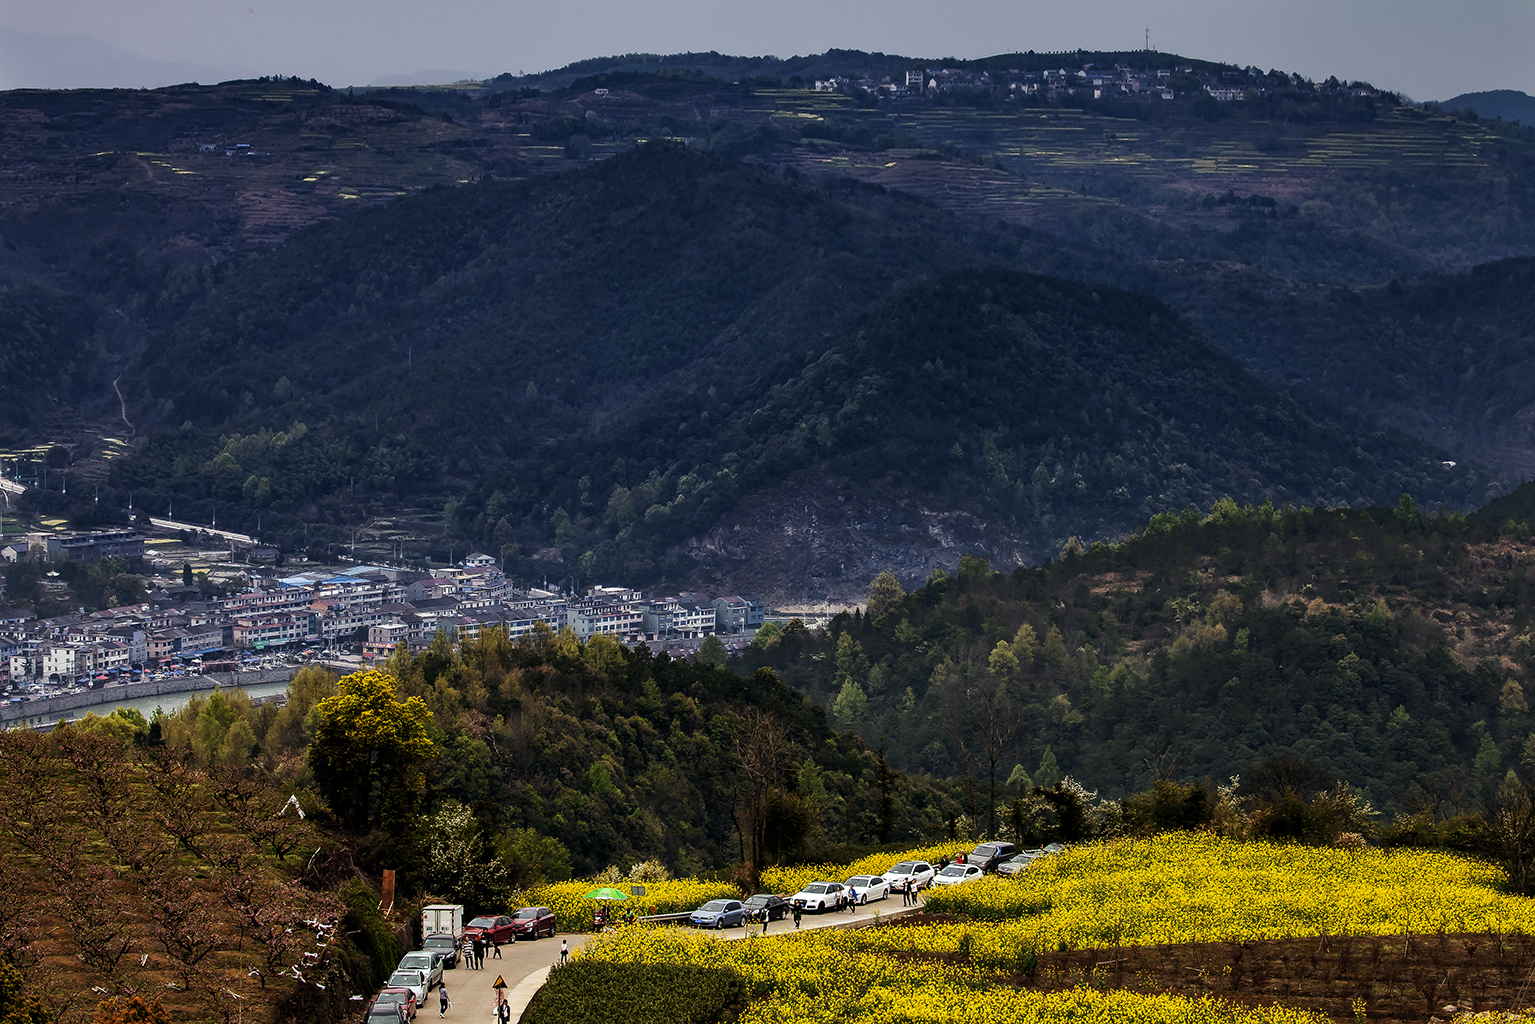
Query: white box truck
x=442 y=919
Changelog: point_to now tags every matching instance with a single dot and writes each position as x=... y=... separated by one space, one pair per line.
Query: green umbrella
x=605 y=894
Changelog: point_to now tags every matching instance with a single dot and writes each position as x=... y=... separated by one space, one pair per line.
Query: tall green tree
x=370 y=749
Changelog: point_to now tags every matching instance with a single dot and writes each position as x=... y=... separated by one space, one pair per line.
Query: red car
x=531 y=922
x=491 y=929
x=404 y=996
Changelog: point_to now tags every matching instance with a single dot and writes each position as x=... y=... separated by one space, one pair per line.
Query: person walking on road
x=766 y=917
x=796 y=917
x=443 y=1002
x=495 y=947
x=852 y=900
x=564 y=950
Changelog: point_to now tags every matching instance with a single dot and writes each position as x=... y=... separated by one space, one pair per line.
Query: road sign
x=500 y=982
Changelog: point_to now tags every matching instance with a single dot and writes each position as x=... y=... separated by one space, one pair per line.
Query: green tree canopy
x=884 y=592
x=370 y=749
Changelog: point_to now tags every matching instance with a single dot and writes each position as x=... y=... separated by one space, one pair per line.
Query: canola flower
x=842 y=976
x=1196 y=887
x=574 y=912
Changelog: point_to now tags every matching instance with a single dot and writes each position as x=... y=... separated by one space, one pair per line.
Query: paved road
x=525 y=965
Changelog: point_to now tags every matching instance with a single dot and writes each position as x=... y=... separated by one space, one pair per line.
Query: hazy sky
x=1429 y=49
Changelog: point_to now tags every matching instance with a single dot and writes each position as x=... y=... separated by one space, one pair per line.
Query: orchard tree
x=370 y=749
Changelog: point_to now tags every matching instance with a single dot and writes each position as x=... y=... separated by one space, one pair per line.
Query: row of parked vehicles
x=1003 y=858
x=445 y=939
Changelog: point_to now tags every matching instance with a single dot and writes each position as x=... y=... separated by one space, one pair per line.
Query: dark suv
x=531 y=922
x=444 y=946
x=988 y=855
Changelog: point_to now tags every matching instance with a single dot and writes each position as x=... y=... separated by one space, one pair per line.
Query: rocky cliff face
x=810 y=541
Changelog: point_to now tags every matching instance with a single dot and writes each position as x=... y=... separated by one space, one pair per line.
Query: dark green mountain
x=1446 y=357
x=992 y=409
x=646 y=370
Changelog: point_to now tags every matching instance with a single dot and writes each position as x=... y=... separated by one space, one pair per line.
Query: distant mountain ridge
x=1509 y=104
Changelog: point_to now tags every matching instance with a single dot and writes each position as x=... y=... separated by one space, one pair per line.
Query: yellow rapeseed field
x=575 y=913
x=1195 y=887
x=841 y=976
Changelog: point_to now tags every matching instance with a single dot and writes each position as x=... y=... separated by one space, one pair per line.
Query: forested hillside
x=1445 y=357
x=1037 y=407
x=1389 y=646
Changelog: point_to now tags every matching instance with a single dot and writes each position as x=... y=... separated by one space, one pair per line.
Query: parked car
x=1054 y=848
x=869 y=887
x=492 y=929
x=987 y=856
x=919 y=872
x=442 y=946
x=1018 y=862
x=776 y=906
x=421 y=960
x=413 y=980
x=957 y=873
x=403 y=996
x=386 y=1013
x=719 y=914
x=818 y=896
x=531 y=922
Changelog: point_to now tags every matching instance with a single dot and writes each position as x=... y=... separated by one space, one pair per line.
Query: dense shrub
x=589 y=992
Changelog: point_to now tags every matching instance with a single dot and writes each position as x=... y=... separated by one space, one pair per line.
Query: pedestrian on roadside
x=906 y=892
x=852 y=900
x=765 y=918
x=495 y=946
x=479 y=953
x=564 y=950
x=796 y=917
x=443 y=1002
x=503 y=1012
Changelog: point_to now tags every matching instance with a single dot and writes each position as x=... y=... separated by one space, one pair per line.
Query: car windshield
x=757 y=901
x=983 y=851
x=906 y=867
x=525 y=914
x=860 y=880
x=405 y=979
x=714 y=906
x=439 y=942
x=952 y=870
x=482 y=922
x=818 y=888
x=416 y=960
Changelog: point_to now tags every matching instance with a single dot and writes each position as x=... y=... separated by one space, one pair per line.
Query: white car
x=818 y=896
x=954 y=874
x=919 y=872
x=412 y=979
x=869 y=887
x=428 y=963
